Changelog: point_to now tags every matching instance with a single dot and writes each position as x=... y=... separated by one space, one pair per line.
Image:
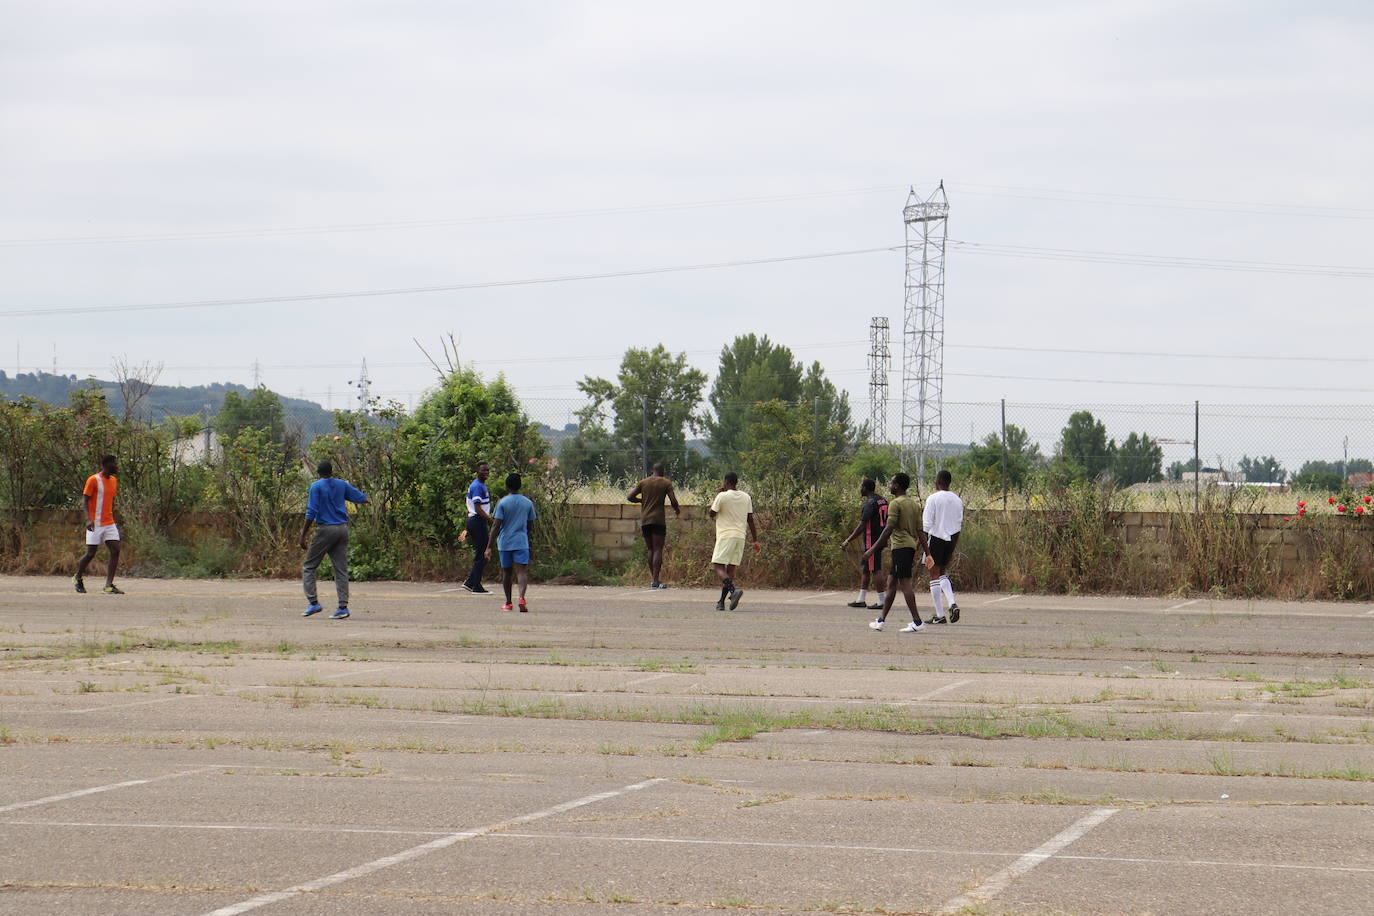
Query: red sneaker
x=524 y=608
x=507 y=607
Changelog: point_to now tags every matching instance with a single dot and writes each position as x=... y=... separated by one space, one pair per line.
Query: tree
x=261 y=410
x=1138 y=460
x=879 y=462
x=1178 y=468
x=1319 y=475
x=653 y=399
x=983 y=460
x=1262 y=470
x=464 y=421
x=752 y=370
x=1084 y=451
x=803 y=441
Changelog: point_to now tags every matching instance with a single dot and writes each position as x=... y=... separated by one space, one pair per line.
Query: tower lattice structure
x=923 y=328
x=879 y=367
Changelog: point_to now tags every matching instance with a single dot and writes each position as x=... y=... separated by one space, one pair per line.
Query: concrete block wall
x=614 y=528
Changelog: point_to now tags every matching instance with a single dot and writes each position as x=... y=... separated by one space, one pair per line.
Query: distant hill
x=162 y=401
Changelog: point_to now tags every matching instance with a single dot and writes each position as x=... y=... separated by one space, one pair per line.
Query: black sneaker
x=937 y=620
x=954 y=613
x=735 y=596
x=479 y=590
x=876 y=606
x=856 y=604
x=112 y=590
x=468 y=588
x=720 y=605
x=79 y=585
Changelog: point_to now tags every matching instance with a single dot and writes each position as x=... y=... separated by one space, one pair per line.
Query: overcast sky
x=1082 y=126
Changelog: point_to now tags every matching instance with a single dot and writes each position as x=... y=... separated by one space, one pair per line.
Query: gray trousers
x=332 y=540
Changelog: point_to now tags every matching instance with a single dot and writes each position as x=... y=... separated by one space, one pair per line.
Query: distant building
x=1362 y=479
x=197 y=449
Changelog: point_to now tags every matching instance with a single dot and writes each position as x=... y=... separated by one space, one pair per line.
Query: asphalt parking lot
x=199 y=747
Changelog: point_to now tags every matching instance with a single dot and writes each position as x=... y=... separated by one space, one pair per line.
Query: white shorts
x=729 y=551
x=100 y=534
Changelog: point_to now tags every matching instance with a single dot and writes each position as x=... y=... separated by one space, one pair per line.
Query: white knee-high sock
x=947 y=589
x=937 y=596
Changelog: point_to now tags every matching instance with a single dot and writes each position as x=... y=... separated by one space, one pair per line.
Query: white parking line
x=652 y=677
x=943 y=851
x=1183 y=605
x=939 y=690
x=415 y=852
x=809 y=597
x=301 y=828
x=179 y=696
x=999 y=881
x=995 y=600
x=98 y=789
x=364 y=671
x=1368 y=614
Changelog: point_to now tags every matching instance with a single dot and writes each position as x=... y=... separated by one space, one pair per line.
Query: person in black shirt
x=872 y=519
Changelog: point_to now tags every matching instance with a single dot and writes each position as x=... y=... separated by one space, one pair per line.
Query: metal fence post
x=644 y=435
x=1197 y=457
x=1004 y=455
x=816 y=442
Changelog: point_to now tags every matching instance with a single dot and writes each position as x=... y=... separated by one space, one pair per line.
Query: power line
x=1252 y=356
x=1154 y=384
x=456 y=287
x=1150 y=260
x=221 y=234
x=1249 y=208
x=419 y=364
x=1011 y=192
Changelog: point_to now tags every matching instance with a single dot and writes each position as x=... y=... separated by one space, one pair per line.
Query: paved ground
x=198 y=747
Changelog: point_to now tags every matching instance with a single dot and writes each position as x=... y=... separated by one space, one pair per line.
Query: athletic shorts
x=515 y=556
x=660 y=530
x=941 y=551
x=100 y=534
x=729 y=551
x=903 y=561
x=875 y=562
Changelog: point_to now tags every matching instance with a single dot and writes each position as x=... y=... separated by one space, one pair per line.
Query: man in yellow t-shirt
x=904 y=531
x=733 y=510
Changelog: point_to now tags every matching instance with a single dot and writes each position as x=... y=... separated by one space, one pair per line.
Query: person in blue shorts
x=514 y=517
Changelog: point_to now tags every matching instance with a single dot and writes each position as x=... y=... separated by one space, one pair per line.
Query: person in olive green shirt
x=653 y=519
x=904 y=531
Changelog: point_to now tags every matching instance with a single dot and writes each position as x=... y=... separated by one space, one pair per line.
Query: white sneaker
x=913 y=627
x=875 y=624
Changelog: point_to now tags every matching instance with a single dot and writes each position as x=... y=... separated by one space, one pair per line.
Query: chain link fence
x=1162 y=452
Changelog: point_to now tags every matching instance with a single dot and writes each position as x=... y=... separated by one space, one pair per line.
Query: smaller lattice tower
x=364 y=386
x=879 y=367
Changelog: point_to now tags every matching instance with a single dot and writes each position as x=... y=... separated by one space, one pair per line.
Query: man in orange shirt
x=100 y=524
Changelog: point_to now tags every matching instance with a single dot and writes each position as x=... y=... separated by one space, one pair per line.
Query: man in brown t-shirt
x=650 y=493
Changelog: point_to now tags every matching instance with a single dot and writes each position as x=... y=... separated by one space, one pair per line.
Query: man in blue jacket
x=479 y=517
x=327 y=509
